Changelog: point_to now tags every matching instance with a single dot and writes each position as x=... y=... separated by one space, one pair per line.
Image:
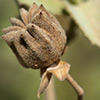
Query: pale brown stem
x=50 y=92
x=76 y=87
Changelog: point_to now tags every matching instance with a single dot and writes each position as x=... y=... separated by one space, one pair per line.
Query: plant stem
x=76 y=87
x=50 y=91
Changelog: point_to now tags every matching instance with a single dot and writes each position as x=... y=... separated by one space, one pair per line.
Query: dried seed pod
x=38 y=41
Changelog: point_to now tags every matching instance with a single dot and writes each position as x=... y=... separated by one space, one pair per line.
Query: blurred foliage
x=18 y=83
x=75 y=1
x=87 y=17
x=54 y=6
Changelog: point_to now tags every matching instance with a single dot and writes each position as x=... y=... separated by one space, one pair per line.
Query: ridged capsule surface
x=38 y=40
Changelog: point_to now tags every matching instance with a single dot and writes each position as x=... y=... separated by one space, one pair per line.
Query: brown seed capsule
x=38 y=37
x=38 y=41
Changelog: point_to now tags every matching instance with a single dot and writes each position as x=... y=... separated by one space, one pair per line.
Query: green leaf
x=87 y=17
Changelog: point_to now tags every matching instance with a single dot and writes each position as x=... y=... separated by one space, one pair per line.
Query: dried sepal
x=60 y=70
x=45 y=79
x=32 y=11
x=30 y=41
x=39 y=34
x=17 y=22
x=21 y=49
x=9 y=37
x=42 y=21
x=24 y=44
x=11 y=28
x=50 y=17
x=24 y=15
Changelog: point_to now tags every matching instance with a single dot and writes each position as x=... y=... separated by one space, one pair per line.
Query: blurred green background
x=18 y=83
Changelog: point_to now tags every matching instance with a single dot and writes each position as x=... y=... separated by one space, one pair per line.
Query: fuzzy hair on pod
x=38 y=40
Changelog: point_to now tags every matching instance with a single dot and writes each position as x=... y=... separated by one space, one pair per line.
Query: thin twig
x=76 y=87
